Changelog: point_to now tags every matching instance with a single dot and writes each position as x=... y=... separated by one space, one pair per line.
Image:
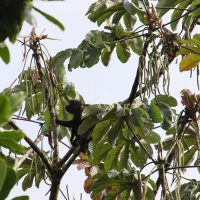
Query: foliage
x=13 y=14
x=124 y=134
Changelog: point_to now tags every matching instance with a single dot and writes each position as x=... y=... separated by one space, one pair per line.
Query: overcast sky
x=98 y=84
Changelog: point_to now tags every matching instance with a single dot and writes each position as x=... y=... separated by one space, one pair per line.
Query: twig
x=30 y=150
x=64 y=144
x=171 y=8
x=63 y=194
x=140 y=142
x=28 y=120
x=190 y=50
x=182 y=16
x=124 y=39
x=67 y=191
x=170 y=168
x=9 y=87
x=34 y=146
x=32 y=47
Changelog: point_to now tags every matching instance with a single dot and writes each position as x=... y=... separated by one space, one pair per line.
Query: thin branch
x=124 y=39
x=66 y=157
x=9 y=87
x=182 y=16
x=133 y=93
x=194 y=23
x=32 y=47
x=170 y=168
x=76 y=153
x=190 y=50
x=171 y=8
x=30 y=150
x=34 y=146
x=146 y=11
x=28 y=120
x=63 y=194
x=70 y=161
x=168 y=159
x=140 y=142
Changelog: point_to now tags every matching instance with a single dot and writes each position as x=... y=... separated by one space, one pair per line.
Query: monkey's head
x=74 y=106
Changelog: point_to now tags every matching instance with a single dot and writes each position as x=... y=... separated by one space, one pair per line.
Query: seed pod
x=140 y=186
x=35 y=79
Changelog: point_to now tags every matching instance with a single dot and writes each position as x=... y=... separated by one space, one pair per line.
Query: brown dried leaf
x=33 y=33
x=87 y=185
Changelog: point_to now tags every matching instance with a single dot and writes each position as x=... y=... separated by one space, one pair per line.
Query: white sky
x=98 y=84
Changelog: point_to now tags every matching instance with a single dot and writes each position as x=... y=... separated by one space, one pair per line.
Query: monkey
x=76 y=108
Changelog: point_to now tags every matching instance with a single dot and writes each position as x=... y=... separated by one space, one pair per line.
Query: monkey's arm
x=64 y=123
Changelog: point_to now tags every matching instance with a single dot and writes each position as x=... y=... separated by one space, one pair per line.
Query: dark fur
x=76 y=108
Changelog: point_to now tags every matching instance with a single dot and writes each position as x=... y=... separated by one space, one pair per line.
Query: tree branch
x=51 y=108
x=132 y=95
x=30 y=150
x=34 y=146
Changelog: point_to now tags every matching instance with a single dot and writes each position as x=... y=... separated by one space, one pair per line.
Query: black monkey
x=76 y=108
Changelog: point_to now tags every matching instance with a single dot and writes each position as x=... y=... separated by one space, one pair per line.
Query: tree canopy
x=126 y=139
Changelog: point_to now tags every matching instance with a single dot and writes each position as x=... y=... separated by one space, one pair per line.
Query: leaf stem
x=140 y=142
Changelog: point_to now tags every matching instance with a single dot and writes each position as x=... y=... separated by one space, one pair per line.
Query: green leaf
x=115 y=131
x=94 y=38
x=139 y=156
x=151 y=137
x=195 y=4
x=168 y=3
x=11 y=144
x=135 y=44
x=58 y=60
x=186 y=51
x=4 y=52
x=3 y=170
x=100 y=153
x=139 y=117
x=28 y=181
x=101 y=130
x=23 y=171
x=8 y=184
x=104 y=17
x=189 y=156
x=141 y=17
x=106 y=55
x=21 y=198
x=4 y=107
x=61 y=133
x=111 y=160
x=129 y=21
x=76 y=58
x=117 y=16
x=154 y=113
x=13 y=135
x=16 y=101
x=171 y=101
x=189 y=62
x=98 y=13
x=116 y=191
x=123 y=52
x=67 y=86
x=124 y=158
x=50 y=18
x=107 y=109
x=91 y=56
x=166 y=114
x=130 y=8
x=178 y=13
